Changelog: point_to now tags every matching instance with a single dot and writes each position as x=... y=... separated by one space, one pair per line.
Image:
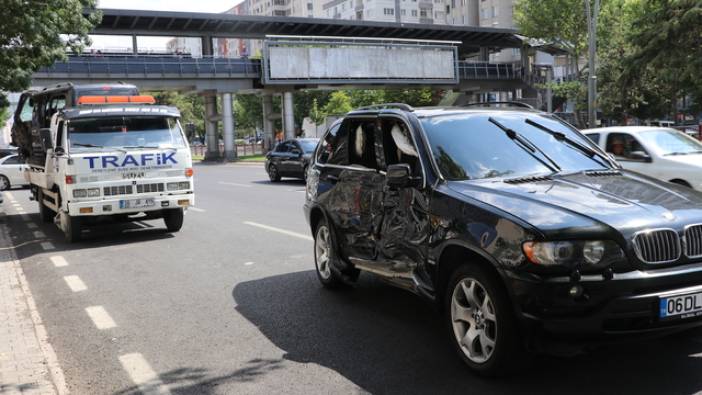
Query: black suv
x=518 y=226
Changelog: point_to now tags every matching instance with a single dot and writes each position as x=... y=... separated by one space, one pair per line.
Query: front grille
x=149 y=188
x=693 y=241
x=658 y=246
x=118 y=190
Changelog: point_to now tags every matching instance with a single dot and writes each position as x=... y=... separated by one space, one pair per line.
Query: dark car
x=290 y=158
x=521 y=230
x=7 y=151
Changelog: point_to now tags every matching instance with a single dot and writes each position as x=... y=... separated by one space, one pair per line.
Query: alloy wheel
x=322 y=252
x=4 y=183
x=474 y=320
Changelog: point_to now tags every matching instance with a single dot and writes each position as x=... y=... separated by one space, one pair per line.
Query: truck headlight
x=178 y=186
x=591 y=254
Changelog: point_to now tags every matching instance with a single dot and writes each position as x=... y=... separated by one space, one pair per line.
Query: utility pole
x=592 y=61
x=398 y=19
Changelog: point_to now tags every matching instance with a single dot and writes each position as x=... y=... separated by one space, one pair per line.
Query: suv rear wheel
x=481 y=322
x=324 y=255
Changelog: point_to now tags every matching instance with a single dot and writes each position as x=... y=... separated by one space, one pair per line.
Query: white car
x=11 y=172
x=663 y=153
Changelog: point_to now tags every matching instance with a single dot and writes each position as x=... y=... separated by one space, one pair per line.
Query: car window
x=670 y=142
x=334 y=150
x=622 y=145
x=282 y=147
x=25 y=114
x=12 y=160
x=308 y=146
x=595 y=137
x=362 y=143
x=398 y=146
x=473 y=147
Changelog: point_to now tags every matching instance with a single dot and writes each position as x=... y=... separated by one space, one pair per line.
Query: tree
x=316 y=114
x=37 y=34
x=191 y=107
x=339 y=103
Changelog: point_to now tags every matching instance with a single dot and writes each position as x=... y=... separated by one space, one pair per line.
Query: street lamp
x=592 y=71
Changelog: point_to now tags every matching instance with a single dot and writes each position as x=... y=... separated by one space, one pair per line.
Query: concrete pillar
x=207 y=47
x=211 y=128
x=268 y=136
x=135 y=45
x=549 y=91
x=228 y=123
x=289 y=120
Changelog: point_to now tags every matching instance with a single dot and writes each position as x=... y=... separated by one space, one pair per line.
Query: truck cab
x=116 y=158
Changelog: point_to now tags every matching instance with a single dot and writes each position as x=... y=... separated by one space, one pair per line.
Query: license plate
x=136 y=203
x=681 y=306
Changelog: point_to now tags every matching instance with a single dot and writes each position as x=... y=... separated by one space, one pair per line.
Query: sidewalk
x=26 y=362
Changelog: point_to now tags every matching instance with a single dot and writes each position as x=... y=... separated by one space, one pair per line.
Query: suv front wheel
x=481 y=323
x=324 y=255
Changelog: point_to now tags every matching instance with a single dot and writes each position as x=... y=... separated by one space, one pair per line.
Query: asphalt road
x=229 y=307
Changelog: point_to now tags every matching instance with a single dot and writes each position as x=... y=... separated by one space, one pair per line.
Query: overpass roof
x=167 y=23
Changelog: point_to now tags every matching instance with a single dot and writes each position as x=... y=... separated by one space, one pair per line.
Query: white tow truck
x=113 y=158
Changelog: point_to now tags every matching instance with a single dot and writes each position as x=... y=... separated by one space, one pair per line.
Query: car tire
x=74 y=232
x=485 y=319
x=325 y=255
x=4 y=183
x=45 y=213
x=173 y=219
x=273 y=173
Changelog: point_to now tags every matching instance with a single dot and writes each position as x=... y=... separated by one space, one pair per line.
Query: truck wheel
x=481 y=322
x=46 y=214
x=173 y=219
x=73 y=231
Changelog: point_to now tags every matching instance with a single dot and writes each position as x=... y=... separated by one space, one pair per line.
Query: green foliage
x=30 y=36
x=339 y=103
x=191 y=106
x=248 y=113
x=316 y=113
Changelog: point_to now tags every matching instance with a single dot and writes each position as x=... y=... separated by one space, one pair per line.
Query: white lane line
x=31 y=225
x=195 y=209
x=75 y=283
x=59 y=261
x=143 y=375
x=100 y=318
x=234 y=184
x=47 y=245
x=278 y=230
x=248 y=263
x=39 y=234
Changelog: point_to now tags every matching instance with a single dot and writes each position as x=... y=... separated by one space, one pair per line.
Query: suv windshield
x=121 y=132
x=671 y=142
x=472 y=147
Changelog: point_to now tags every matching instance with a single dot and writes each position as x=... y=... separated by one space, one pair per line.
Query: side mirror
x=640 y=156
x=398 y=176
x=59 y=151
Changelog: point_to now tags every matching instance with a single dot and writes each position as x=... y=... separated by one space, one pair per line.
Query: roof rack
x=384 y=106
x=489 y=103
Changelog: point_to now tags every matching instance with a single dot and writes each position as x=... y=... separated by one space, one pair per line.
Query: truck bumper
x=116 y=206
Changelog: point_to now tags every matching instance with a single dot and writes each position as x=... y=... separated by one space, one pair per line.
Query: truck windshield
x=472 y=147
x=121 y=132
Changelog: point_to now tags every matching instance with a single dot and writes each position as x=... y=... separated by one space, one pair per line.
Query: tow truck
x=120 y=158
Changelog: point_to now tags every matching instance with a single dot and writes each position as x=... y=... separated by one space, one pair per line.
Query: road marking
x=234 y=184
x=75 y=283
x=100 y=318
x=39 y=234
x=143 y=375
x=283 y=231
x=195 y=209
x=10 y=196
x=31 y=225
x=47 y=245
x=248 y=263
x=59 y=261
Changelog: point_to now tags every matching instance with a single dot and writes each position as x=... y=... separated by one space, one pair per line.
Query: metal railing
x=149 y=66
x=469 y=70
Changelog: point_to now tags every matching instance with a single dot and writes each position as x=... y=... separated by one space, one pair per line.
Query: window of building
x=309 y=6
x=388 y=11
x=414 y=12
x=422 y=13
x=403 y=12
x=343 y=6
x=494 y=11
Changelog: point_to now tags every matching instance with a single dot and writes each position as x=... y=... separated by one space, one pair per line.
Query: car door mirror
x=640 y=156
x=59 y=151
x=399 y=175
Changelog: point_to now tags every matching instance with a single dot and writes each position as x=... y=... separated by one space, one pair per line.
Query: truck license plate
x=136 y=203
x=681 y=306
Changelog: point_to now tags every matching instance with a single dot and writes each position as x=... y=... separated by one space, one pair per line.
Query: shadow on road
x=388 y=341
x=199 y=381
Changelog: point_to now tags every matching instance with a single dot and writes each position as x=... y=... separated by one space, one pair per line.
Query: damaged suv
x=520 y=228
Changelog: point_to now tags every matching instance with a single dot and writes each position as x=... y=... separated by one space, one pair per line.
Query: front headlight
x=591 y=254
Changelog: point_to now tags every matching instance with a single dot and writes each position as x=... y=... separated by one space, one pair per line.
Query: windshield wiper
x=560 y=136
x=527 y=145
x=97 y=146
x=149 y=147
x=683 y=153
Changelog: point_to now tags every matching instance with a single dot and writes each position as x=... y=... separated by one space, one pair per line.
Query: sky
x=156 y=43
